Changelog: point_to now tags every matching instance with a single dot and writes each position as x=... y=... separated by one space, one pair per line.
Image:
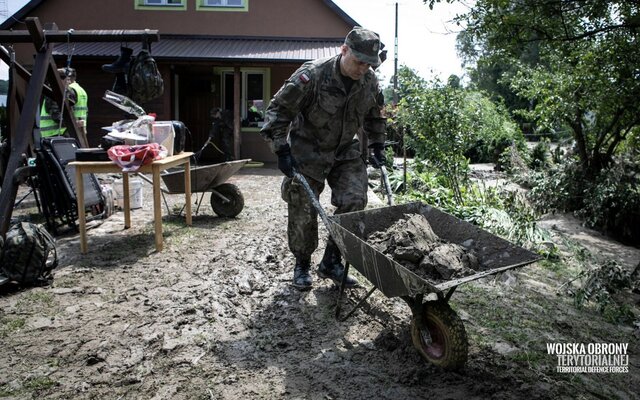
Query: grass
x=9 y=325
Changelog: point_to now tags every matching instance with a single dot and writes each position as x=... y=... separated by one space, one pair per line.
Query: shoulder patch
x=304 y=78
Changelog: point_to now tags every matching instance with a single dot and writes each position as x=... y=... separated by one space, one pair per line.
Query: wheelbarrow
x=436 y=330
x=226 y=198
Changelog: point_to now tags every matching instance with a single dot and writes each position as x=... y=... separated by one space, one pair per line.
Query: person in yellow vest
x=80 y=108
x=51 y=112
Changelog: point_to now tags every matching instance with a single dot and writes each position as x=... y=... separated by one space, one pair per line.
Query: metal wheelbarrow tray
x=226 y=198
x=436 y=330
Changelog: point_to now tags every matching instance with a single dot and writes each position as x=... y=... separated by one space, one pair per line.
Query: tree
x=440 y=132
x=575 y=61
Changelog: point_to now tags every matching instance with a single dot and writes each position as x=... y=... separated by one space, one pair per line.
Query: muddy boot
x=121 y=64
x=331 y=267
x=301 y=278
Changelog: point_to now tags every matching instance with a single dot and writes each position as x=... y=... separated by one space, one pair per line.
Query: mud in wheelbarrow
x=226 y=199
x=436 y=330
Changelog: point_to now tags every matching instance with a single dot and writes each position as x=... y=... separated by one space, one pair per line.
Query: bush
x=612 y=202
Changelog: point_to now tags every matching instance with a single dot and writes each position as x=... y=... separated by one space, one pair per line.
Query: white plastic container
x=135 y=193
x=163 y=133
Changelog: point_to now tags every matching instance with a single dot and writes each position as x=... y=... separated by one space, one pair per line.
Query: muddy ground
x=213 y=316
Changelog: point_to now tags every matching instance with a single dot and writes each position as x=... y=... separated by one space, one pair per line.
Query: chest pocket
x=325 y=108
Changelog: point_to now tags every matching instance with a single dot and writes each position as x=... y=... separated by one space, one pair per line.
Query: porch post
x=237 y=76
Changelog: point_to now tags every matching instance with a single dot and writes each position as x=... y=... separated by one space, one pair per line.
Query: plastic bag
x=131 y=158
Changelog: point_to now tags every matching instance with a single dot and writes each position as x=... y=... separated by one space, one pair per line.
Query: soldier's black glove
x=377 y=159
x=285 y=161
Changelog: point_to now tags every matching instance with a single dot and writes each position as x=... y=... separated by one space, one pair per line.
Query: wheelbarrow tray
x=203 y=177
x=350 y=230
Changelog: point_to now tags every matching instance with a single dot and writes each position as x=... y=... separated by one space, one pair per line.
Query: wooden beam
x=23 y=137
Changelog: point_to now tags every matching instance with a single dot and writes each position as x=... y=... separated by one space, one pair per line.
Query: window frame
x=164 y=5
x=202 y=6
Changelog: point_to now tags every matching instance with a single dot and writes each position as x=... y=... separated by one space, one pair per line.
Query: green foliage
x=541 y=155
x=600 y=286
x=558 y=188
x=440 y=131
x=574 y=62
x=612 y=202
x=493 y=129
x=504 y=214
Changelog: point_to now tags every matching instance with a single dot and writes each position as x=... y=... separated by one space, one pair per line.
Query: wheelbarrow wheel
x=229 y=208
x=445 y=342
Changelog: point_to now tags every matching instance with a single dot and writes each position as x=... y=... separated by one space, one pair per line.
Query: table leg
x=187 y=190
x=126 y=200
x=157 y=209
x=82 y=218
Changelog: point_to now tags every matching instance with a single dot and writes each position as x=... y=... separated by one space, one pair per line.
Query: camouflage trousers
x=348 y=183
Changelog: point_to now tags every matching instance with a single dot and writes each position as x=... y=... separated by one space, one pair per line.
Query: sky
x=426 y=38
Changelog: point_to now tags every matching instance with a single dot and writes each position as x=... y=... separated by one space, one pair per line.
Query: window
x=252 y=95
x=222 y=5
x=160 y=4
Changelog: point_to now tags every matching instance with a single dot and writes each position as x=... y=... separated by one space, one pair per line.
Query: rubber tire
x=449 y=347
x=231 y=208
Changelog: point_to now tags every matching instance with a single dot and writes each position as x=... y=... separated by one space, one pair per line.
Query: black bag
x=145 y=81
x=28 y=255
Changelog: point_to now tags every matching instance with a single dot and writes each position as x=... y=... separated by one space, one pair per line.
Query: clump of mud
x=411 y=242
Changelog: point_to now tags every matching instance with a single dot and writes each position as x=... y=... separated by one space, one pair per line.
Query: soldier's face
x=350 y=66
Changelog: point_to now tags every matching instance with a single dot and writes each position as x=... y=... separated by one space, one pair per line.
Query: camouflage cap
x=365 y=45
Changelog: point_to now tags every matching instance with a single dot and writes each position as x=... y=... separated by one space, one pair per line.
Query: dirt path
x=213 y=317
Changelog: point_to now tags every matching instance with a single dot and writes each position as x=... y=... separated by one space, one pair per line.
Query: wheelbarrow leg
x=342 y=287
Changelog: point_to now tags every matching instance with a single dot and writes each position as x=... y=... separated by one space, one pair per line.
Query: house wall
x=279 y=18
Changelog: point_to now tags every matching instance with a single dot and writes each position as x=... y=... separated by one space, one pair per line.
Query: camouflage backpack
x=145 y=81
x=27 y=255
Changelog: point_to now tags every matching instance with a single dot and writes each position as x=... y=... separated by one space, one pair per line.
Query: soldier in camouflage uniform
x=312 y=124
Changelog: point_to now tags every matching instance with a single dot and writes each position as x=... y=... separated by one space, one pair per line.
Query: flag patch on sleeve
x=304 y=78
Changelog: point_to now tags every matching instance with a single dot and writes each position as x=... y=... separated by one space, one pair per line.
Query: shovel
x=325 y=220
x=385 y=180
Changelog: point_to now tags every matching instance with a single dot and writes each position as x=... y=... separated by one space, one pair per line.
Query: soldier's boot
x=331 y=267
x=121 y=64
x=302 y=279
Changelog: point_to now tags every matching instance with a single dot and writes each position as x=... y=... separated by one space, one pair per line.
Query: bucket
x=135 y=193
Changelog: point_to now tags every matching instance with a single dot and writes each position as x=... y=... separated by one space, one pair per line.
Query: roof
x=196 y=48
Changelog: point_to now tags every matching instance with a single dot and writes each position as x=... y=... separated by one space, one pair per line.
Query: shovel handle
x=312 y=197
x=385 y=180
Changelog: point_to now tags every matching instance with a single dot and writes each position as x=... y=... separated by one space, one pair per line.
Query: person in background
x=51 y=112
x=80 y=108
x=312 y=124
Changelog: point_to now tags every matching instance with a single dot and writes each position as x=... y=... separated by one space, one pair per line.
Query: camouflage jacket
x=320 y=121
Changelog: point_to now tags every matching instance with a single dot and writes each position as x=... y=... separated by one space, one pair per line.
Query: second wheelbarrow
x=226 y=198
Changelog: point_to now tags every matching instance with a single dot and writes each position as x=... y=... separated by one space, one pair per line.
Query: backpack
x=28 y=255
x=145 y=81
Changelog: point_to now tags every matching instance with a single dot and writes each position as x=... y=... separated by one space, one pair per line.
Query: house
x=228 y=54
